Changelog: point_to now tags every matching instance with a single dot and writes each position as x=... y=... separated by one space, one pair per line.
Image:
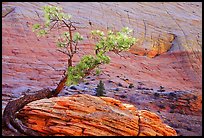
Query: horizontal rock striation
x=154 y=24
x=29 y=62
x=88 y=115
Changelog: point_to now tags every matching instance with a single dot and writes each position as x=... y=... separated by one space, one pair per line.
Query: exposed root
x=9 y=118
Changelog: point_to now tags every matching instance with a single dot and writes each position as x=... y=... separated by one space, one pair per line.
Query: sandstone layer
x=34 y=58
x=156 y=60
x=86 y=115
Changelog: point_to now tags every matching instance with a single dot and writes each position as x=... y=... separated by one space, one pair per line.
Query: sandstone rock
x=88 y=115
x=6 y=10
x=25 y=56
x=151 y=125
x=153 y=46
x=155 y=26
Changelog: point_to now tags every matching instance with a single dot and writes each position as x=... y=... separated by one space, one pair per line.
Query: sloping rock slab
x=87 y=115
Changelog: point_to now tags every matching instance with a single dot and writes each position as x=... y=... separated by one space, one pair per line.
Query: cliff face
x=167 y=54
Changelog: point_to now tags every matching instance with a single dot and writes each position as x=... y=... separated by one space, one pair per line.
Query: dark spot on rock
x=123 y=96
x=131 y=86
x=169 y=123
x=156 y=94
x=188 y=101
x=140 y=83
x=139 y=88
x=110 y=81
x=117 y=76
x=119 y=84
x=172 y=94
x=177 y=131
x=161 y=90
x=195 y=97
x=88 y=77
x=181 y=112
x=189 y=129
x=108 y=75
x=115 y=104
x=116 y=89
x=171 y=111
x=172 y=106
x=161 y=106
x=92 y=79
x=87 y=83
x=174 y=125
x=73 y=87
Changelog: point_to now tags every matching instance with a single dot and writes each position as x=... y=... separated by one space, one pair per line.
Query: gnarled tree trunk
x=9 y=118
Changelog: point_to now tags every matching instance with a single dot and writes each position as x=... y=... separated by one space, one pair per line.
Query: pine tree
x=100 y=89
x=67 y=43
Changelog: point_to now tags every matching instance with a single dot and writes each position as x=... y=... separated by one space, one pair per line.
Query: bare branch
x=53 y=25
x=67 y=25
x=64 y=52
x=71 y=25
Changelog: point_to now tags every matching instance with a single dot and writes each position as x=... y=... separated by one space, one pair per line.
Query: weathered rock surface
x=33 y=59
x=153 y=46
x=30 y=62
x=88 y=115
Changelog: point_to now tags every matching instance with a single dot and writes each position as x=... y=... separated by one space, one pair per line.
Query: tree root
x=9 y=118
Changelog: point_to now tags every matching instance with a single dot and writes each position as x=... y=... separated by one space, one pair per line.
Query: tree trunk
x=9 y=118
x=60 y=86
x=70 y=62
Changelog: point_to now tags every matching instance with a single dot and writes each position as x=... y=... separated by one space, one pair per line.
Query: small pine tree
x=100 y=89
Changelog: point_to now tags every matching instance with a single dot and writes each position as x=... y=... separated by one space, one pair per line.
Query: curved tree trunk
x=60 y=86
x=9 y=118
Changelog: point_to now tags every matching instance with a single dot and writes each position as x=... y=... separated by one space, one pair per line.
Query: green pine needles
x=67 y=43
x=100 y=89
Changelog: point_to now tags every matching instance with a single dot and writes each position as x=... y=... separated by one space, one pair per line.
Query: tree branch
x=64 y=52
x=53 y=25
